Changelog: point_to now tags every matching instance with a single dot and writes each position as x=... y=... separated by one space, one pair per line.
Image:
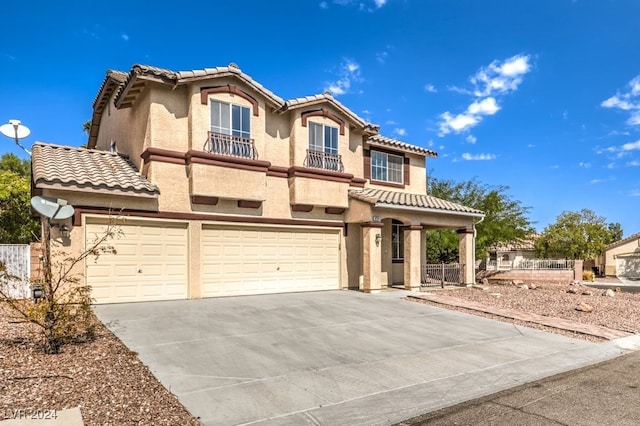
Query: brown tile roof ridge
x=407 y=199
x=394 y=143
x=623 y=241
x=67 y=167
x=327 y=97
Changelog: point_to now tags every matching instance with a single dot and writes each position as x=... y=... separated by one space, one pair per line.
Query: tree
x=11 y=163
x=63 y=315
x=86 y=127
x=577 y=235
x=16 y=224
x=505 y=218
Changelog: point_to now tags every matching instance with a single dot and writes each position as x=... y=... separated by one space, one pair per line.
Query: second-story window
x=230 y=119
x=386 y=167
x=230 y=131
x=323 y=147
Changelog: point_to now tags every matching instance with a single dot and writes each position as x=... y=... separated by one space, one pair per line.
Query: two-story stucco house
x=228 y=189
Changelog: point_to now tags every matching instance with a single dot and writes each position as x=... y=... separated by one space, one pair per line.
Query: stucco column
x=467 y=254
x=372 y=257
x=412 y=256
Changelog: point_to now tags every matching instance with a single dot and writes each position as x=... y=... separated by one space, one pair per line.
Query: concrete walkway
x=337 y=357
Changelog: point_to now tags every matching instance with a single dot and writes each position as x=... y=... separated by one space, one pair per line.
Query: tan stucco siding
x=632 y=246
x=127 y=127
x=168 y=119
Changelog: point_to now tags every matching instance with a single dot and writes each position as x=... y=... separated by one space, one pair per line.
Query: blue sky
x=540 y=95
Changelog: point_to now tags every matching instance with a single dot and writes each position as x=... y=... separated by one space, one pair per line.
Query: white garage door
x=628 y=266
x=150 y=263
x=243 y=260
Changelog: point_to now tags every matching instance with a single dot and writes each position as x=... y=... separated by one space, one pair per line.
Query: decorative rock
x=517 y=282
x=485 y=281
x=583 y=307
x=496 y=295
x=575 y=282
x=609 y=293
x=524 y=287
x=533 y=286
x=587 y=293
x=572 y=290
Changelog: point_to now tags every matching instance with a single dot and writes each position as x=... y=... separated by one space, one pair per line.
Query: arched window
x=505 y=257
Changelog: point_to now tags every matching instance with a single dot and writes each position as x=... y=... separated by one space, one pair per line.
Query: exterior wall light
x=37 y=291
x=65 y=232
x=378 y=239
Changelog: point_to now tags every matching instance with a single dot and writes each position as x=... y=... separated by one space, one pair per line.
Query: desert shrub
x=588 y=276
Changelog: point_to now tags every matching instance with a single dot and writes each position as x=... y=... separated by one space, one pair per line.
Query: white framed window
x=387 y=167
x=323 y=138
x=230 y=119
x=397 y=240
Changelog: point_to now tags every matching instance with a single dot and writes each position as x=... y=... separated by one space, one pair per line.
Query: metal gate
x=441 y=274
x=17 y=261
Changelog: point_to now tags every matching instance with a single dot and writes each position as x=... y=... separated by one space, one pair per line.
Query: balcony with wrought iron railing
x=233 y=146
x=323 y=160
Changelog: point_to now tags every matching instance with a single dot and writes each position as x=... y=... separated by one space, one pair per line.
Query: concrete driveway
x=334 y=358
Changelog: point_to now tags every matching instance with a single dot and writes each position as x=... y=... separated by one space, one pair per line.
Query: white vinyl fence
x=17 y=261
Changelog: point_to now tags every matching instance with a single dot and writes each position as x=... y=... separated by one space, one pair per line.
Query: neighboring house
x=512 y=253
x=229 y=190
x=622 y=258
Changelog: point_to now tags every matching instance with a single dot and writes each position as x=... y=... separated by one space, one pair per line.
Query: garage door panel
x=150 y=263
x=237 y=261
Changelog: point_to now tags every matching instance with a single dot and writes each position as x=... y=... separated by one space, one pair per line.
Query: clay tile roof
x=65 y=167
x=327 y=97
x=623 y=241
x=378 y=140
x=384 y=198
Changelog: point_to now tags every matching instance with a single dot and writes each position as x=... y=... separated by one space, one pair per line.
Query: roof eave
x=429 y=210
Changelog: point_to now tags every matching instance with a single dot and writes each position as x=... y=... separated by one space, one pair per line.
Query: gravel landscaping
x=620 y=311
x=105 y=379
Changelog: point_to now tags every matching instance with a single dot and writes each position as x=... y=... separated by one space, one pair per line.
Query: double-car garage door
x=153 y=261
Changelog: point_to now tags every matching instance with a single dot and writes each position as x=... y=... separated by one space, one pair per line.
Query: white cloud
x=616 y=102
x=400 y=131
x=554 y=166
x=627 y=101
x=611 y=166
x=531 y=145
x=390 y=123
x=501 y=77
x=592 y=181
x=471 y=139
x=380 y=3
x=631 y=146
x=584 y=165
x=634 y=163
x=382 y=57
x=125 y=37
x=365 y=5
x=478 y=157
x=487 y=106
x=348 y=72
x=430 y=88
x=565 y=115
x=456 y=123
x=498 y=78
x=323 y=5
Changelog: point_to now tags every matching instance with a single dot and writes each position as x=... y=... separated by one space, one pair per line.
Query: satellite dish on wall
x=53 y=208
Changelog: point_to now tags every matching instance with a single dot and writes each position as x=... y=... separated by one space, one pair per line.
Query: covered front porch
x=386 y=237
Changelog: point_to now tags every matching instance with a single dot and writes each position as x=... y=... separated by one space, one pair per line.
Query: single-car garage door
x=628 y=265
x=150 y=263
x=244 y=260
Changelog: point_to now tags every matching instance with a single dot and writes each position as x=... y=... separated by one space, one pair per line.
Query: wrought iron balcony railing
x=323 y=160
x=233 y=146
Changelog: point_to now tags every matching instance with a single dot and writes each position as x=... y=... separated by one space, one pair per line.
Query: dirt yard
x=620 y=311
x=103 y=377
